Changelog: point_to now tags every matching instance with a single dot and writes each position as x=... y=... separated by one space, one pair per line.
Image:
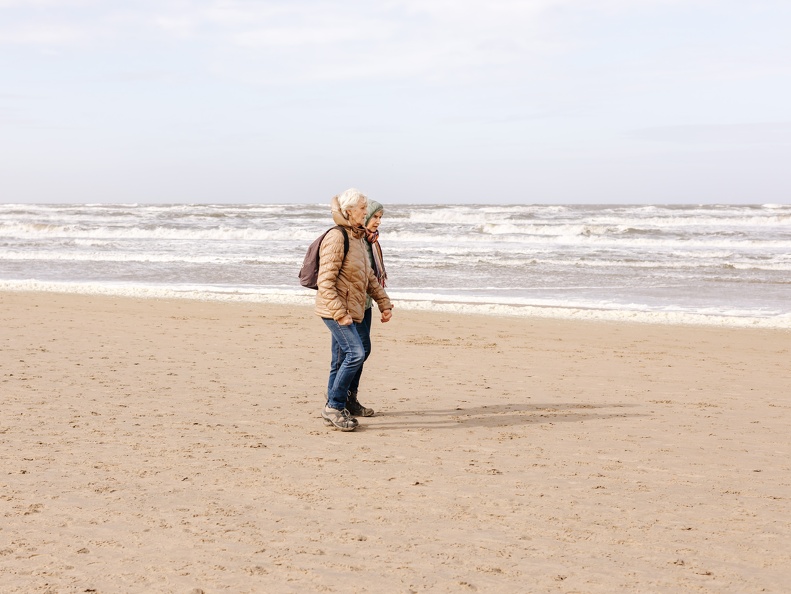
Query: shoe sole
x=329 y=423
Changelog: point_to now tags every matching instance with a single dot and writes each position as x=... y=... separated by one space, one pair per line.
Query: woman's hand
x=386 y=315
x=346 y=320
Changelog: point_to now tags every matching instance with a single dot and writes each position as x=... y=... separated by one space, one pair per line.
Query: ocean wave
x=220 y=233
x=581 y=235
x=657 y=254
x=655 y=264
x=475 y=214
x=47 y=256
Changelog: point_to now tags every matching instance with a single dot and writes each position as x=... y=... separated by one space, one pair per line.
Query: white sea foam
x=435 y=303
x=668 y=263
x=221 y=233
x=578 y=236
x=118 y=256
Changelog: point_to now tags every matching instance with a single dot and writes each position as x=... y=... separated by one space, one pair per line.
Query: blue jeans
x=348 y=356
x=364 y=330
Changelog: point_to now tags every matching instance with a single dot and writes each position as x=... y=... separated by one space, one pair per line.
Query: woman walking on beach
x=344 y=283
x=372 y=220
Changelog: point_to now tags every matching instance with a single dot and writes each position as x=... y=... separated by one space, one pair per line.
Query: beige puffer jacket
x=343 y=284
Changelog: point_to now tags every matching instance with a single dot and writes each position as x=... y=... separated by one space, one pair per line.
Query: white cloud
x=44 y=35
x=39 y=3
x=387 y=40
x=178 y=26
x=458 y=41
x=401 y=37
x=324 y=34
x=765 y=133
x=502 y=82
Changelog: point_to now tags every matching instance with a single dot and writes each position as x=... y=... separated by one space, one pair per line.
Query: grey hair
x=349 y=199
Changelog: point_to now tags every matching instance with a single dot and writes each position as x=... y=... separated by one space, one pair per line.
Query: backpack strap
x=345 y=240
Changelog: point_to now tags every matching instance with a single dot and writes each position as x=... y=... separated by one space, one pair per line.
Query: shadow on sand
x=496 y=415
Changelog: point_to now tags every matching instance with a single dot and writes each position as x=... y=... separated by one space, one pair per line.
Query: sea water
x=694 y=264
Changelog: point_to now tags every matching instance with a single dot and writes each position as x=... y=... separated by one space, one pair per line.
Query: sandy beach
x=176 y=446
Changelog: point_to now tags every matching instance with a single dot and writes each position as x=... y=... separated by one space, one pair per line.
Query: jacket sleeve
x=376 y=291
x=330 y=261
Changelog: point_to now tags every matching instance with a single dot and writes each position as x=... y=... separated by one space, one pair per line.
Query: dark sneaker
x=340 y=419
x=357 y=409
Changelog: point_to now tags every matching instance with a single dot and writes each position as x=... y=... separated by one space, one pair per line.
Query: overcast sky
x=520 y=101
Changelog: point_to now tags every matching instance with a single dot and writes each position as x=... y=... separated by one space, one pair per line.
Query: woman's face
x=373 y=222
x=358 y=213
